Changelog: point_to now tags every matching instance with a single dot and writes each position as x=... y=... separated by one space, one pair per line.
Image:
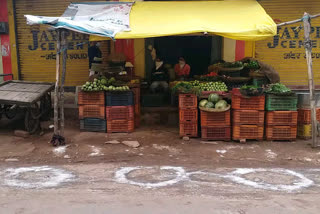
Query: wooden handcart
x=33 y=96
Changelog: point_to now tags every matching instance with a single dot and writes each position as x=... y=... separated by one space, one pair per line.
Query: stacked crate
x=281 y=117
x=215 y=125
x=137 y=108
x=188 y=115
x=248 y=117
x=92 y=111
x=120 y=111
x=304 y=122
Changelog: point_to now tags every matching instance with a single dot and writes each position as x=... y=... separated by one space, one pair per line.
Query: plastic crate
x=188 y=114
x=120 y=112
x=188 y=101
x=216 y=133
x=282 y=118
x=189 y=129
x=304 y=115
x=123 y=98
x=91 y=98
x=281 y=103
x=250 y=132
x=93 y=125
x=304 y=131
x=211 y=119
x=124 y=126
x=281 y=132
x=247 y=117
x=244 y=103
x=93 y=111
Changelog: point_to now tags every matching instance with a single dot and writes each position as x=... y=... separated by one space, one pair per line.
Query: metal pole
x=56 y=89
x=64 y=66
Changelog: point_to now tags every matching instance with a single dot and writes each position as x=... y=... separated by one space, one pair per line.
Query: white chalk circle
x=121 y=176
x=36 y=177
x=301 y=182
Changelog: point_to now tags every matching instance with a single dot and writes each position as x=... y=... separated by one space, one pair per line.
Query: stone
x=11 y=160
x=112 y=142
x=133 y=144
x=186 y=138
x=21 y=133
x=66 y=157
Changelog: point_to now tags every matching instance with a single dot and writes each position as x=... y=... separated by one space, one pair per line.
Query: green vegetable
x=202 y=103
x=278 y=88
x=214 y=98
x=209 y=105
x=222 y=104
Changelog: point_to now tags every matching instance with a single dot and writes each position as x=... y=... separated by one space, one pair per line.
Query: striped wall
x=233 y=50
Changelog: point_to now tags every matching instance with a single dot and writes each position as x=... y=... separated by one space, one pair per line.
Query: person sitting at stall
x=159 y=77
x=182 y=69
x=95 y=55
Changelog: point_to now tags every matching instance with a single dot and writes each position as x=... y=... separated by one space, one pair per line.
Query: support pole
x=308 y=47
x=56 y=89
x=64 y=66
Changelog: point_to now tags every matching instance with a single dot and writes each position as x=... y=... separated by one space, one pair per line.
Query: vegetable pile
x=236 y=64
x=103 y=84
x=252 y=65
x=213 y=86
x=214 y=101
x=278 y=88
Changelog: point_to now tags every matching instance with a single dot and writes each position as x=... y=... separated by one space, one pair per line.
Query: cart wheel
x=10 y=113
x=45 y=107
x=32 y=123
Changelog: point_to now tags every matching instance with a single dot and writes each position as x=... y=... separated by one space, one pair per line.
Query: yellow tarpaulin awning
x=235 y=19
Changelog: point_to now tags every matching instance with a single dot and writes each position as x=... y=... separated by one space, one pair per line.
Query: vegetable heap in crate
x=103 y=84
x=214 y=101
x=278 y=88
x=213 y=86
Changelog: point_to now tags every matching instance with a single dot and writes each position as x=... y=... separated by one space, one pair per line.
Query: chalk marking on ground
x=121 y=176
x=270 y=154
x=59 y=150
x=221 y=151
x=303 y=181
x=55 y=177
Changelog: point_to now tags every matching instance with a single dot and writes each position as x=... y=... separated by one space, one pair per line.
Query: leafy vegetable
x=278 y=88
x=202 y=103
x=222 y=104
x=252 y=65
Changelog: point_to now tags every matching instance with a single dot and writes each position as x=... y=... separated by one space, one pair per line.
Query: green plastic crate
x=259 y=82
x=281 y=103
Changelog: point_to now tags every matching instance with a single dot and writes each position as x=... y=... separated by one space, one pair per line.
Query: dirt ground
x=159 y=145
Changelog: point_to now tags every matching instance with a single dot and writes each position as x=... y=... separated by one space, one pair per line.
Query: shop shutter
x=285 y=52
x=36 y=44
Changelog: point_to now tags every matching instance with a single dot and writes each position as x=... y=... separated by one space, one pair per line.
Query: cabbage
x=213 y=98
x=222 y=104
x=202 y=103
x=209 y=105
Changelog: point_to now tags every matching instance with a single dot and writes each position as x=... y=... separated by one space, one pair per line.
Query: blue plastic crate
x=120 y=98
x=93 y=125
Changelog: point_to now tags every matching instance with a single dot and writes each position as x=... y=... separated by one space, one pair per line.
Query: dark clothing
x=163 y=76
x=93 y=52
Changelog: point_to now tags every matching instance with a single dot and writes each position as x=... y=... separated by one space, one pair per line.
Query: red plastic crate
x=243 y=132
x=188 y=114
x=92 y=111
x=91 y=98
x=282 y=118
x=304 y=115
x=247 y=117
x=114 y=126
x=189 y=129
x=244 y=103
x=120 y=112
x=210 y=119
x=281 y=132
x=216 y=133
x=188 y=101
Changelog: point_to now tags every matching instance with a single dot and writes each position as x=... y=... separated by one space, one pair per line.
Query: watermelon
x=213 y=98
x=222 y=104
x=202 y=103
x=209 y=105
